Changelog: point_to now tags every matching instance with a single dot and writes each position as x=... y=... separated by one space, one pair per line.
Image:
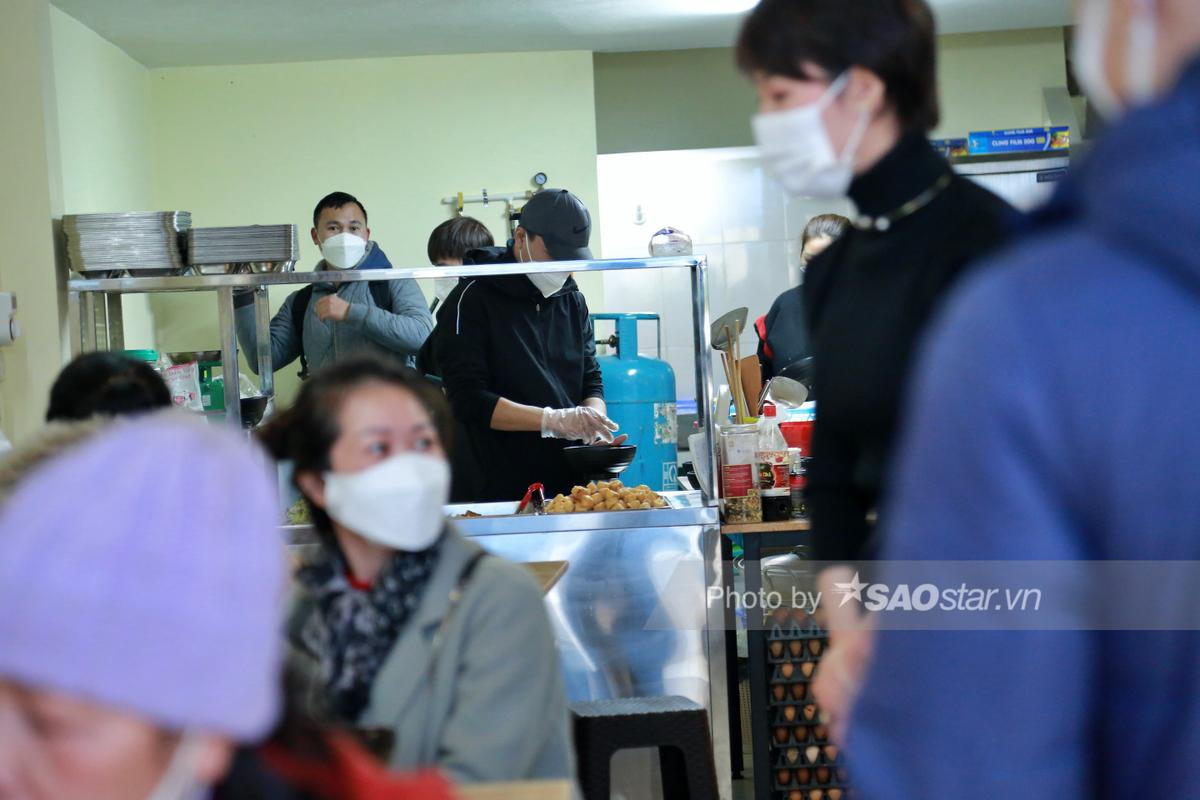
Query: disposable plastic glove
x=580 y=424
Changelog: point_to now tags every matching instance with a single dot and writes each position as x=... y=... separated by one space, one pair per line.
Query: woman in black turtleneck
x=848 y=95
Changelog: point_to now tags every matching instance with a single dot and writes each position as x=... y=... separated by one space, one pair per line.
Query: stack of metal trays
x=249 y=248
x=109 y=245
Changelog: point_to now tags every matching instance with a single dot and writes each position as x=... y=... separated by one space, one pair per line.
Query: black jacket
x=868 y=299
x=498 y=337
x=783 y=338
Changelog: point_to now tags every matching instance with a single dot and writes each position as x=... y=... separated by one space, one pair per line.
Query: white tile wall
x=738 y=217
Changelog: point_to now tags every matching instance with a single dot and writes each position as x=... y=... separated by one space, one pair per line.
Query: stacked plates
x=139 y=243
x=256 y=248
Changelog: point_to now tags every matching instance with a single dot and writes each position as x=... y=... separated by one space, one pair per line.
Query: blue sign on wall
x=1021 y=140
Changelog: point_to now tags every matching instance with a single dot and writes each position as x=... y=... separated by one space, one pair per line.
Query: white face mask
x=397 y=503
x=1091 y=43
x=179 y=781
x=344 y=250
x=442 y=287
x=796 y=149
x=550 y=284
x=547 y=284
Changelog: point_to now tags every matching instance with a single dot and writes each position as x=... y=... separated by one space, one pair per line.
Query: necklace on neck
x=883 y=223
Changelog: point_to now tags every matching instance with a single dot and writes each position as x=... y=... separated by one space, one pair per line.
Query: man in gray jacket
x=321 y=323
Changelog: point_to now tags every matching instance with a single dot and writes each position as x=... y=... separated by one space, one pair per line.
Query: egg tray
x=814 y=779
x=782 y=651
x=813 y=792
x=817 y=775
x=781 y=673
x=792 y=629
x=801 y=735
x=799 y=713
x=794 y=693
x=798 y=742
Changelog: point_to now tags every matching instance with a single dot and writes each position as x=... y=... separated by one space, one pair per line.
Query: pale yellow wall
x=103 y=102
x=671 y=100
x=995 y=80
x=261 y=144
x=691 y=99
x=31 y=198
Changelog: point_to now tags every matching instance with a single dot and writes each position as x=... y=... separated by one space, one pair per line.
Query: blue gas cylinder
x=640 y=393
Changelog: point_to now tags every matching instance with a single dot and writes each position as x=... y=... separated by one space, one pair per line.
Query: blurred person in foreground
x=847 y=98
x=1053 y=421
x=441 y=653
x=141 y=657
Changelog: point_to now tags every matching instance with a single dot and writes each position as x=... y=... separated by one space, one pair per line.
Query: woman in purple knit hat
x=139 y=640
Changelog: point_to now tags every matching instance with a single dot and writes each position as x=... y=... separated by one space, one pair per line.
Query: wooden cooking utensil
x=724 y=338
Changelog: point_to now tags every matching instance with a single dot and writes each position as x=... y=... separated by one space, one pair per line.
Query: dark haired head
x=894 y=39
x=456 y=237
x=106 y=384
x=337 y=200
x=306 y=433
x=831 y=225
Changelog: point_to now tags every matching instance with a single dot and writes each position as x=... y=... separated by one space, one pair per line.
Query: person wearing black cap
x=517 y=357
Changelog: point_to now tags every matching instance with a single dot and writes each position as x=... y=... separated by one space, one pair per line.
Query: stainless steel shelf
x=97 y=323
x=207 y=283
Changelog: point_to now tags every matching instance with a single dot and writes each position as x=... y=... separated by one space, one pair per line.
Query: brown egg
x=796 y=647
x=803 y=776
x=813 y=754
x=789 y=713
x=814 y=646
x=815 y=794
x=787 y=670
x=776 y=649
x=821 y=732
x=810 y=712
x=799 y=691
x=831 y=752
x=823 y=774
x=807 y=668
x=781 y=734
x=800 y=615
x=792 y=755
x=779 y=691
x=795 y=795
x=780 y=615
x=783 y=777
x=833 y=794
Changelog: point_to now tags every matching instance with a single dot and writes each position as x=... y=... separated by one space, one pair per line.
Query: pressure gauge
x=540 y=179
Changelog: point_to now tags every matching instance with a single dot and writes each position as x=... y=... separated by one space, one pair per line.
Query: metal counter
x=630 y=615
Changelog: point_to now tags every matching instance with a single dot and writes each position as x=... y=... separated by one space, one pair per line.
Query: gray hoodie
x=398 y=331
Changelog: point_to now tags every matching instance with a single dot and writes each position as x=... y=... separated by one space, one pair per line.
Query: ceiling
x=161 y=33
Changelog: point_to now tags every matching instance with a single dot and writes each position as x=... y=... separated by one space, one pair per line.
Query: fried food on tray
x=605 y=496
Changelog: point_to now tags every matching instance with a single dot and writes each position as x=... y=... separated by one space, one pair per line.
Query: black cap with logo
x=562 y=220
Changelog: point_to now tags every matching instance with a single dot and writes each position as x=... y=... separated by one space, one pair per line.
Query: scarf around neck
x=353 y=630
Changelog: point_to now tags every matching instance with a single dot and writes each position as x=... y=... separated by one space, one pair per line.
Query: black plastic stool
x=675 y=725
